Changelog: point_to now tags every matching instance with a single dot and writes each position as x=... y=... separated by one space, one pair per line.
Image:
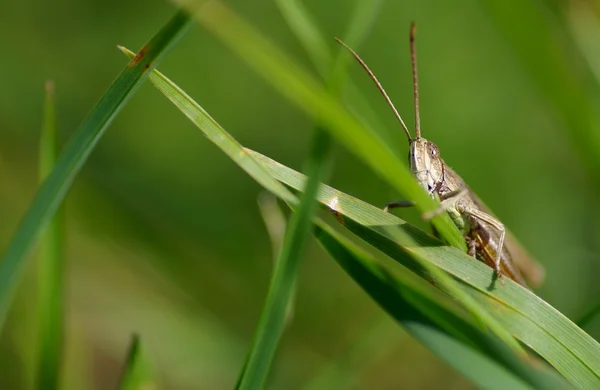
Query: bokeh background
x=165 y=238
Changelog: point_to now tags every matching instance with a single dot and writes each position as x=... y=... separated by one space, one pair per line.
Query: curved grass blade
x=307 y=32
x=298 y=86
x=537 y=324
x=279 y=299
x=276 y=223
x=285 y=275
x=303 y=90
x=283 y=281
x=258 y=167
x=137 y=374
x=53 y=190
x=274 y=220
x=305 y=29
x=51 y=259
x=478 y=355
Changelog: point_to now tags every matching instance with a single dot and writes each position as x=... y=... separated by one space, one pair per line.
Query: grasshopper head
x=426 y=164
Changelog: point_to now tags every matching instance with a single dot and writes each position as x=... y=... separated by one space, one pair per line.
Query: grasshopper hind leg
x=496 y=224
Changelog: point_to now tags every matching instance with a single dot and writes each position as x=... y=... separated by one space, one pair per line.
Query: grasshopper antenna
x=413 y=60
x=379 y=87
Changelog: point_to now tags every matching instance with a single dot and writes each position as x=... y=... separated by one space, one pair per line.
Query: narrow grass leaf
x=274 y=219
x=53 y=190
x=476 y=354
x=137 y=373
x=537 y=324
x=283 y=283
x=255 y=371
x=261 y=168
x=332 y=70
x=300 y=88
x=51 y=265
x=306 y=31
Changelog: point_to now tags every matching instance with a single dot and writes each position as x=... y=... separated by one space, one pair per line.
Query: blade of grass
x=537 y=324
x=276 y=227
x=285 y=275
x=307 y=32
x=300 y=88
x=53 y=190
x=255 y=371
x=51 y=258
x=436 y=326
x=258 y=166
x=274 y=220
x=137 y=374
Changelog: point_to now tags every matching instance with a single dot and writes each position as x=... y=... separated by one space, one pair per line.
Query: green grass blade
x=283 y=278
x=276 y=223
x=307 y=32
x=274 y=219
x=137 y=373
x=470 y=351
x=297 y=85
x=261 y=168
x=215 y=133
x=51 y=259
x=277 y=308
x=54 y=188
x=303 y=26
x=568 y=348
x=285 y=275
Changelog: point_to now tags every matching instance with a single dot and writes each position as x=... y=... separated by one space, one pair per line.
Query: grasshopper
x=486 y=237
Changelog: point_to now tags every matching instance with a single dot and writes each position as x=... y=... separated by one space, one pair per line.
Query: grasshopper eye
x=433 y=150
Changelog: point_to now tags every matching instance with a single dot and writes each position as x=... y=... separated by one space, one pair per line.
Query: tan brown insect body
x=486 y=236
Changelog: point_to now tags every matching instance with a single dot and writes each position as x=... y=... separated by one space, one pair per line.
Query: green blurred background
x=164 y=234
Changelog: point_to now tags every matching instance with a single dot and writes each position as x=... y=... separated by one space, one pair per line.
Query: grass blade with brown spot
x=53 y=190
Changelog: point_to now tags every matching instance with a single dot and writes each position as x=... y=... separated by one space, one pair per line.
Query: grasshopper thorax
x=426 y=164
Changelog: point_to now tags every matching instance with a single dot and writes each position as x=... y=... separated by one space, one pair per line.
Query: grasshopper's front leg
x=448 y=201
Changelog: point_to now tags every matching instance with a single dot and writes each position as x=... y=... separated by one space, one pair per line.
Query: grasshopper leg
x=473 y=245
x=495 y=224
x=447 y=202
x=398 y=204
